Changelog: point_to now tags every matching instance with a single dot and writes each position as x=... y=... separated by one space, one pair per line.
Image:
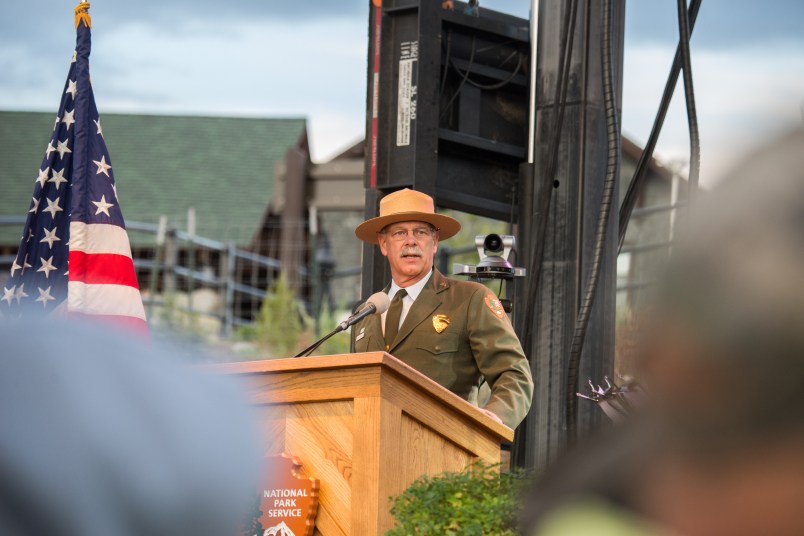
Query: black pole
x=569 y=225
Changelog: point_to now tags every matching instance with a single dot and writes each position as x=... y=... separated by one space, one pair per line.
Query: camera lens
x=493 y=243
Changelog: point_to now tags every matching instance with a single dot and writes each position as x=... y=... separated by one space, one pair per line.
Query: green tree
x=338 y=344
x=278 y=326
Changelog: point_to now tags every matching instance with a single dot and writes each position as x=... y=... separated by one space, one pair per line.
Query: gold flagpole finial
x=82 y=14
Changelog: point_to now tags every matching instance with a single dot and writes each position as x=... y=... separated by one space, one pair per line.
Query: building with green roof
x=223 y=167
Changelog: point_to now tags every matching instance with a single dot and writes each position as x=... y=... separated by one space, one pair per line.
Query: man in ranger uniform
x=455 y=332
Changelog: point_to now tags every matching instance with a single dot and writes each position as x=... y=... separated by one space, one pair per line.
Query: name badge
x=361 y=334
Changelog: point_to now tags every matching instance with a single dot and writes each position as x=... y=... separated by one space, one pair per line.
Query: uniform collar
x=413 y=290
x=440 y=282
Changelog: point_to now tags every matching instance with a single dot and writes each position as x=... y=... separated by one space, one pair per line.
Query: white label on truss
x=406 y=92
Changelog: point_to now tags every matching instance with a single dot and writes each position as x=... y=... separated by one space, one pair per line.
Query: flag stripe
x=104 y=299
x=100 y=268
x=137 y=326
x=98 y=238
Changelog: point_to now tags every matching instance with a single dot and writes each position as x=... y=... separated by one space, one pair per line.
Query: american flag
x=74 y=255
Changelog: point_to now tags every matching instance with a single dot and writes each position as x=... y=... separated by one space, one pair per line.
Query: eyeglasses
x=419 y=233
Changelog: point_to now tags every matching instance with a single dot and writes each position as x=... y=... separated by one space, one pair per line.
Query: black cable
x=606 y=202
x=640 y=173
x=497 y=85
x=458 y=91
x=689 y=99
x=450 y=62
x=545 y=191
x=447 y=57
x=492 y=46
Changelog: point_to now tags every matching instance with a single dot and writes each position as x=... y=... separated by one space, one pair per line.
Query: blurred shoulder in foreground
x=102 y=435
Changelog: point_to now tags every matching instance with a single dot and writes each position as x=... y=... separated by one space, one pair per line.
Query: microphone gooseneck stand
x=310 y=349
x=376 y=304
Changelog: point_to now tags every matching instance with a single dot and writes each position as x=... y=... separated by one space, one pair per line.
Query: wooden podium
x=367 y=426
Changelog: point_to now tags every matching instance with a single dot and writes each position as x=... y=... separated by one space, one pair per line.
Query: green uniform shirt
x=456 y=333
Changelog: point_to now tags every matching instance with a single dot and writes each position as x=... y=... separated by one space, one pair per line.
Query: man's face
x=410 y=247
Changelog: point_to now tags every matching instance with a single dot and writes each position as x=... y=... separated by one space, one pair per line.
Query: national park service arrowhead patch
x=440 y=322
x=494 y=304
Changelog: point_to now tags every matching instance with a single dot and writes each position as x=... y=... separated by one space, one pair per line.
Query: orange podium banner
x=288 y=499
x=366 y=426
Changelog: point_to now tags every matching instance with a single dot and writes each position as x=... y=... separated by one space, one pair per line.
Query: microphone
x=378 y=303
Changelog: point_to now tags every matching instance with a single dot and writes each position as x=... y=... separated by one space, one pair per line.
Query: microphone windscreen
x=381 y=301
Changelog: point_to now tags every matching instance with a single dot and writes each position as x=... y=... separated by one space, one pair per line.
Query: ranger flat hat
x=407 y=205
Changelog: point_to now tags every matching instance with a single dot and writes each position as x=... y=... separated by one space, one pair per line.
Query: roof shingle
x=222 y=166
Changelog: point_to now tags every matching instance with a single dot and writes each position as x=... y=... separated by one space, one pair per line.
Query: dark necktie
x=392 y=318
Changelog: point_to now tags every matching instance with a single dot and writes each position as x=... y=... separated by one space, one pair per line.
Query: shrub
x=278 y=326
x=477 y=501
x=338 y=344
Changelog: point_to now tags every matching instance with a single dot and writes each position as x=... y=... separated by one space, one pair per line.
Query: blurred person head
x=100 y=435
x=724 y=360
x=720 y=448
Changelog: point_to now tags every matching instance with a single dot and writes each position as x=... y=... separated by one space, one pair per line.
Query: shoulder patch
x=494 y=305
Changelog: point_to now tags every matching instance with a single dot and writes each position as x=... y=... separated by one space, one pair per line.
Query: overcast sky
x=267 y=58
